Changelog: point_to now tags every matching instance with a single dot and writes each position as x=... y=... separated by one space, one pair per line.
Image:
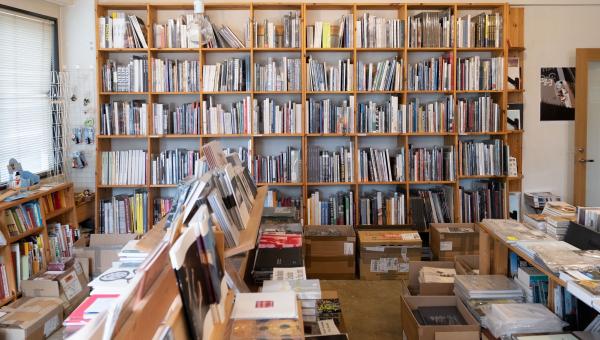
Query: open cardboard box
x=31 y=318
x=416 y=288
x=102 y=251
x=415 y=331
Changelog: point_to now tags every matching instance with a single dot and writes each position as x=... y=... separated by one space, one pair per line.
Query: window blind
x=27 y=52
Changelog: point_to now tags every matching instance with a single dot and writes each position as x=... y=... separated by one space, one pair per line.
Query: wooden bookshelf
x=512 y=44
x=66 y=214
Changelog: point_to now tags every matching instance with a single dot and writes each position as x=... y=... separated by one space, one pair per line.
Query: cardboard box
x=417 y=288
x=69 y=285
x=102 y=251
x=31 y=318
x=330 y=252
x=451 y=239
x=415 y=331
x=384 y=254
x=466 y=264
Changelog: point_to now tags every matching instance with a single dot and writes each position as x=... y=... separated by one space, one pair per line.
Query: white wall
x=553 y=29
x=37 y=6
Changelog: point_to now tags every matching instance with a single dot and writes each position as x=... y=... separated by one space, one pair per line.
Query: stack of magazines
x=478 y=292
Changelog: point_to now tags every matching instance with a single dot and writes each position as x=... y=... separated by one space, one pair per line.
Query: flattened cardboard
x=417 y=288
x=445 y=245
x=384 y=255
x=31 y=318
x=330 y=252
x=414 y=331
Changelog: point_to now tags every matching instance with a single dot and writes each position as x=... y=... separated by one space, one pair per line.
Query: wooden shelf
x=174 y=93
x=382 y=183
x=248 y=236
x=122 y=93
x=277 y=135
x=176 y=136
x=115 y=186
x=122 y=136
x=276 y=49
x=430 y=49
x=479 y=49
x=328 y=183
x=7 y=300
x=380 y=49
x=175 y=50
x=330 y=49
x=123 y=50
x=58 y=212
x=431 y=182
x=225 y=49
x=34 y=231
x=280 y=184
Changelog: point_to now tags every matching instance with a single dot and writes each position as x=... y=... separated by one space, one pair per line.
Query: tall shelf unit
x=235 y=16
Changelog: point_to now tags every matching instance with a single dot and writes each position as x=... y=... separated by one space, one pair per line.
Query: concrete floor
x=371 y=309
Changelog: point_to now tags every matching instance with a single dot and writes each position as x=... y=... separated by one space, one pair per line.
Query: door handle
x=581 y=160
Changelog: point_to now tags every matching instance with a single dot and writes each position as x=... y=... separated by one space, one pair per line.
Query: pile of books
x=323 y=77
x=270 y=117
x=380 y=165
x=534 y=284
x=268 y=34
x=282 y=168
x=217 y=120
x=337 y=210
x=479 y=115
x=172 y=75
x=326 y=117
x=124 y=118
x=171 y=166
x=377 y=32
x=434 y=74
x=477 y=291
x=476 y=74
x=331 y=166
x=537 y=200
x=183 y=120
x=384 y=76
x=431 y=29
x=484 y=158
x=121 y=30
x=278 y=76
x=432 y=164
x=379 y=209
x=435 y=116
x=388 y=117
x=308 y=293
x=512 y=231
x=132 y=77
x=125 y=213
x=230 y=75
x=324 y=35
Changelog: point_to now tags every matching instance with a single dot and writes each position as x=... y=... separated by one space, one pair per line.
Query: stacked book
x=132 y=77
x=331 y=166
x=121 y=30
x=172 y=75
x=162 y=206
x=484 y=158
x=432 y=163
x=275 y=198
x=337 y=210
x=171 y=166
x=174 y=34
x=326 y=117
x=430 y=206
x=307 y=293
x=282 y=168
x=483 y=201
x=383 y=76
x=276 y=249
x=483 y=30
x=268 y=34
x=325 y=35
x=480 y=74
x=216 y=120
x=126 y=167
x=61 y=238
x=385 y=118
x=436 y=117
x=512 y=231
x=504 y=320
x=377 y=32
x=124 y=118
x=537 y=200
x=323 y=77
x=23 y=218
x=230 y=75
x=125 y=214
x=434 y=74
x=379 y=166
x=377 y=209
x=183 y=120
x=278 y=76
x=272 y=118
x=556 y=226
x=479 y=115
x=537 y=221
x=478 y=291
x=431 y=29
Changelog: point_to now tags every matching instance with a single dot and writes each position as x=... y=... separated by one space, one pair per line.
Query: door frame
x=584 y=56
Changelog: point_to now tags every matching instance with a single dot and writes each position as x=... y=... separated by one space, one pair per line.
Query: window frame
x=54 y=67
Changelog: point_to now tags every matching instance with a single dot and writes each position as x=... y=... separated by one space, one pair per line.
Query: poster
x=557 y=92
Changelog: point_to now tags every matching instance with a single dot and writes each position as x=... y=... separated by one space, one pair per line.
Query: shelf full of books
x=384 y=101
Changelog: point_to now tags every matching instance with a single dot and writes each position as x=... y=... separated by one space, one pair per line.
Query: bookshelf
x=64 y=212
x=266 y=144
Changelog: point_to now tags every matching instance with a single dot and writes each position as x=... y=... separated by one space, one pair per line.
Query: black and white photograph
x=557 y=93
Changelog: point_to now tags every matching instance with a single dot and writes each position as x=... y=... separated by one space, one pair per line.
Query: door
x=586 y=181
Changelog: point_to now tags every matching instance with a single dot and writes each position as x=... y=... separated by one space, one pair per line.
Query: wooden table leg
x=484 y=252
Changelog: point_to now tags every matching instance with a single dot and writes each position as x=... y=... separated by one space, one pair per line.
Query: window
x=28 y=54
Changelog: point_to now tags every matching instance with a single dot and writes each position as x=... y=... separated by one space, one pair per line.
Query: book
x=61 y=238
x=331 y=166
x=435 y=116
x=291 y=329
x=381 y=165
x=121 y=30
x=124 y=213
x=382 y=118
x=430 y=206
x=377 y=32
x=432 y=163
x=282 y=168
x=324 y=116
x=483 y=158
x=217 y=120
x=124 y=118
x=269 y=34
x=378 y=208
x=478 y=74
x=483 y=200
x=182 y=119
x=270 y=117
x=481 y=30
x=127 y=167
x=338 y=209
x=162 y=206
x=482 y=114
x=230 y=75
x=324 y=35
x=514 y=73
x=385 y=75
x=174 y=33
x=171 y=166
x=514 y=116
x=322 y=77
x=261 y=306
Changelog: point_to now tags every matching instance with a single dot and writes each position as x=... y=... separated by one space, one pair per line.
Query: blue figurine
x=21 y=178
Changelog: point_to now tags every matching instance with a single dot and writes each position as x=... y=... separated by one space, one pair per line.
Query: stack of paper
x=479 y=292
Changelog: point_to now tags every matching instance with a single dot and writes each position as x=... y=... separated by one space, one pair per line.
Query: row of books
x=268 y=34
x=162 y=206
x=23 y=218
x=386 y=75
x=486 y=200
x=174 y=34
x=377 y=209
x=61 y=238
x=28 y=257
x=431 y=29
x=435 y=116
x=475 y=73
x=380 y=165
x=182 y=119
x=482 y=30
x=171 y=166
x=378 y=32
x=121 y=30
x=172 y=75
x=434 y=74
x=232 y=74
x=484 y=158
x=131 y=77
x=338 y=209
x=54 y=201
x=431 y=206
x=4 y=287
x=283 y=75
x=127 y=167
x=224 y=37
x=282 y=168
x=323 y=116
x=274 y=198
x=385 y=118
x=324 y=77
x=331 y=166
x=124 y=118
x=270 y=117
x=479 y=115
x=125 y=213
x=217 y=120
x=432 y=163
x=325 y=35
